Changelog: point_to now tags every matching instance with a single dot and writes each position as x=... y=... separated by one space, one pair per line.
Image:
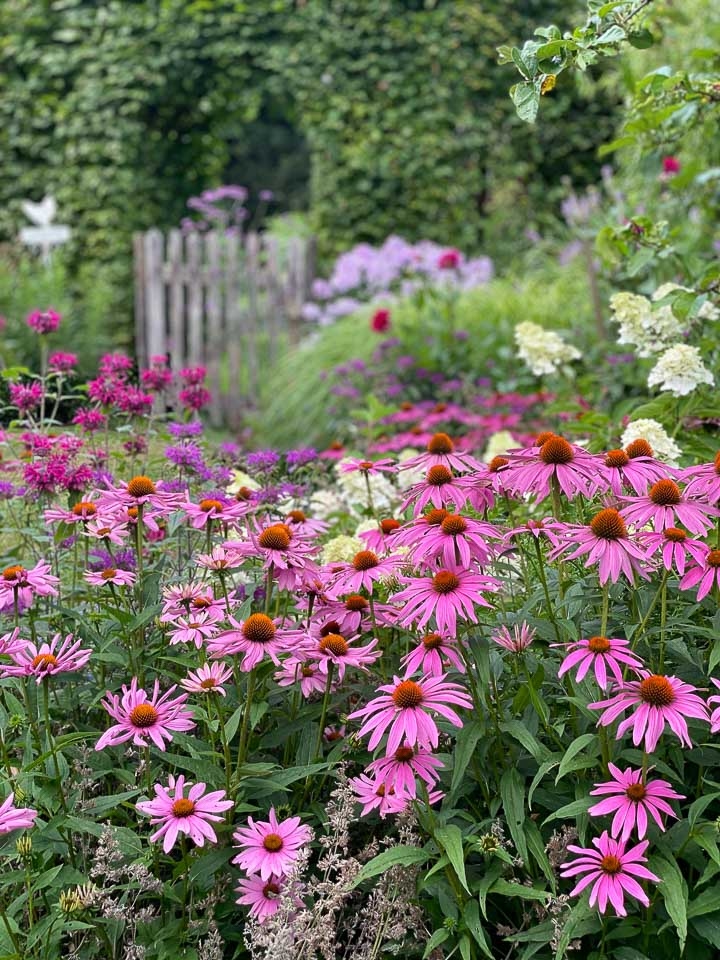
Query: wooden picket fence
x=229 y=303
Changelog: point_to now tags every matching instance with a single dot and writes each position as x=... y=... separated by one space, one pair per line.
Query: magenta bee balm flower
x=177 y=813
x=612 y=870
x=270 y=847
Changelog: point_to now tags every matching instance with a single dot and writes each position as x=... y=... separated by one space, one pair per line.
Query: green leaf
x=450 y=841
x=396 y=856
x=512 y=794
x=507 y=889
x=526 y=97
x=675 y=894
x=231 y=727
x=614 y=34
x=538 y=751
x=471 y=916
x=536 y=846
x=545 y=768
x=465 y=744
x=438 y=937
x=572 y=751
x=574 y=809
x=707 y=902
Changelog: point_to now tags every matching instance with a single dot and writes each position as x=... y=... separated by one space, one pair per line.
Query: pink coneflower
x=440 y=452
x=456 y=541
x=533 y=470
x=336 y=651
x=619 y=470
x=374 y=794
x=715 y=716
x=46 y=659
x=119 y=578
x=196 y=628
x=365 y=569
x=11 y=643
x=81 y=512
x=221 y=558
x=255 y=637
x=546 y=529
x=140 y=717
x=353 y=465
x=381 y=540
x=301 y=525
x=447 y=595
x=210 y=508
x=209 y=678
x=400 y=769
x=15 y=818
x=675 y=547
x=270 y=847
x=703 y=480
x=262 y=896
x=21 y=585
x=631 y=801
x=606 y=542
x=180 y=814
x=655 y=700
x=433 y=655
x=706 y=574
x=439 y=488
x=665 y=505
x=289 y=556
x=602 y=654
x=305 y=672
x=518 y=640
x=406 y=708
x=140 y=491
x=107 y=527
x=613 y=871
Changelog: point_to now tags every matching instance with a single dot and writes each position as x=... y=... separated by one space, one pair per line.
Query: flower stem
x=324 y=710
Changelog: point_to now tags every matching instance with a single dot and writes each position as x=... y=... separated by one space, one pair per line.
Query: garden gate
x=229 y=303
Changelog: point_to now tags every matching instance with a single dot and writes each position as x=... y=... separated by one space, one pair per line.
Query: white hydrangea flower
x=325 y=503
x=341 y=549
x=544 y=351
x=663 y=446
x=354 y=489
x=637 y=326
x=408 y=478
x=679 y=371
x=498 y=444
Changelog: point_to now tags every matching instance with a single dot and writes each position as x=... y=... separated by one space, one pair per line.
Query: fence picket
x=222 y=301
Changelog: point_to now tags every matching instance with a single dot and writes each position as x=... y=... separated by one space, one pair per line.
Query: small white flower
x=664 y=447
x=679 y=371
x=544 y=351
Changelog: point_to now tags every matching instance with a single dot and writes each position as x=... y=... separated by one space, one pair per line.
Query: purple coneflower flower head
x=433 y=655
x=18 y=582
x=456 y=541
x=440 y=488
x=675 y=547
x=262 y=896
x=375 y=794
x=256 y=638
x=602 y=654
x=619 y=471
x=406 y=708
x=333 y=650
x=606 y=542
x=141 y=718
x=46 y=659
x=352 y=465
x=209 y=678
x=440 y=452
x=655 y=700
x=15 y=818
x=119 y=578
x=270 y=847
x=364 y=570
x=398 y=771
x=612 y=870
x=197 y=627
x=447 y=595
x=715 y=702
x=704 y=480
x=177 y=813
x=631 y=800
x=665 y=505
x=554 y=459
x=516 y=640
x=305 y=672
x=705 y=575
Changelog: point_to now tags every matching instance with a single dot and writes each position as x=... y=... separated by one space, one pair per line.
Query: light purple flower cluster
x=367 y=274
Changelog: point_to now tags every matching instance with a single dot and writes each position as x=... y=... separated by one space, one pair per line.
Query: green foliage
x=298 y=400
x=409 y=130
